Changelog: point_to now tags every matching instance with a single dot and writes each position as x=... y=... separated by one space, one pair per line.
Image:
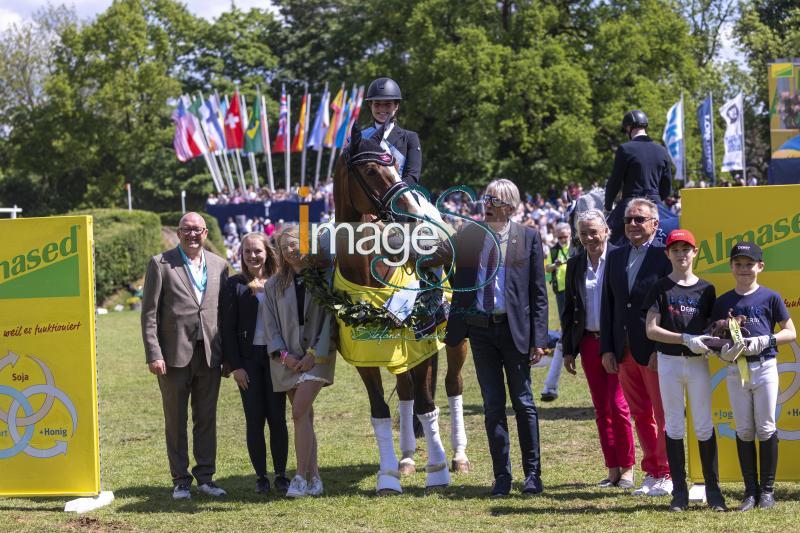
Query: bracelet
x=284 y=355
x=311 y=351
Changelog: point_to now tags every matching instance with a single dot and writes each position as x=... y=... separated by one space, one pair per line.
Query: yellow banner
x=49 y=440
x=784 y=109
x=770 y=217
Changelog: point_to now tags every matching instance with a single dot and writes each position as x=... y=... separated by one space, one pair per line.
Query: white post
x=744 y=147
x=288 y=150
x=683 y=141
x=183 y=202
x=130 y=200
x=267 y=147
x=331 y=160
x=713 y=154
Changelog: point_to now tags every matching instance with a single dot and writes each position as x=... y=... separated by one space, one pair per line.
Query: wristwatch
x=772 y=342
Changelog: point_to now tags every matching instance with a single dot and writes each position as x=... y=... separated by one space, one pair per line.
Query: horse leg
x=438 y=475
x=388 y=475
x=408 y=441
x=454 y=385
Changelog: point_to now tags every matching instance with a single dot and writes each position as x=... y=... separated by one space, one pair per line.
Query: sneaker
x=297 y=488
x=606 y=483
x=645 y=487
x=501 y=487
x=262 y=485
x=315 y=487
x=281 y=483
x=212 y=489
x=181 y=492
x=549 y=396
x=662 y=487
x=625 y=483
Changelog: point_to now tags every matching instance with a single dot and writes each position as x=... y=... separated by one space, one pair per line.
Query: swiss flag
x=234 y=131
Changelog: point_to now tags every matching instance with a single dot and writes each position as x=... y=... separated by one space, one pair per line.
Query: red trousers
x=611 y=409
x=640 y=386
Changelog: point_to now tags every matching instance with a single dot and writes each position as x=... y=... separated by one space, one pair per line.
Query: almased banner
x=784 y=109
x=770 y=217
x=49 y=442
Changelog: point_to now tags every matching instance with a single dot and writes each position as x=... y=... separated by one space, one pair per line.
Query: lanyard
x=204 y=279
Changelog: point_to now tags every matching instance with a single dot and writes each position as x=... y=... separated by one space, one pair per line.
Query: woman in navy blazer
x=580 y=335
x=245 y=356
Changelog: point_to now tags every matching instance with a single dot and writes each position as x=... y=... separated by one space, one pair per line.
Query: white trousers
x=677 y=374
x=754 y=403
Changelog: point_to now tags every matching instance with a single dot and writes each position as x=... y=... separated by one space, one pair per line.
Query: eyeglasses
x=192 y=231
x=638 y=219
x=493 y=201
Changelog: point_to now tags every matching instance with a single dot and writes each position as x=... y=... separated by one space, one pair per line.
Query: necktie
x=488 y=291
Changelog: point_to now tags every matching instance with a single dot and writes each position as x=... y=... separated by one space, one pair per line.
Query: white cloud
x=8 y=17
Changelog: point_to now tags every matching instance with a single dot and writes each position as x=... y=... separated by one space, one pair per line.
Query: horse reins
x=383 y=203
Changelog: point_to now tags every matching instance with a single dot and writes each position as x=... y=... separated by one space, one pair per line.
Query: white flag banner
x=673 y=138
x=733 y=113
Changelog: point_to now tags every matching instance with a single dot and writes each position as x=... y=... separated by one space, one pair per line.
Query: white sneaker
x=662 y=487
x=212 y=489
x=297 y=488
x=315 y=487
x=181 y=492
x=646 y=487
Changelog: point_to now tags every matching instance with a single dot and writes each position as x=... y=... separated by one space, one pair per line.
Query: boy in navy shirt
x=754 y=396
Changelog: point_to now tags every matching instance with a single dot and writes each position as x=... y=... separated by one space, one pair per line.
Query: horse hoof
x=460 y=467
x=389 y=492
x=407 y=467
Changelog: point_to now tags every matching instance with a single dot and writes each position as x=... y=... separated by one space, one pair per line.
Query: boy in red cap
x=753 y=388
x=678 y=311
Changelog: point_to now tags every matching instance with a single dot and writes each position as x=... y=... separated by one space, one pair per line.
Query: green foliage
x=172 y=218
x=124 y=241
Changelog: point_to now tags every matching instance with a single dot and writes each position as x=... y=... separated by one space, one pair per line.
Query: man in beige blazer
x=180 y=328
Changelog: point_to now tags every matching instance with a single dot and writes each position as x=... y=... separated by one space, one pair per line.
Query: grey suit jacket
x=171 y=314
x=284 y=332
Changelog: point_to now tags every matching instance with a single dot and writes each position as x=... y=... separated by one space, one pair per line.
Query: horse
x=366 y=187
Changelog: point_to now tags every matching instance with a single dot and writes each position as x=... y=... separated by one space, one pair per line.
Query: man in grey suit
x=180 y=328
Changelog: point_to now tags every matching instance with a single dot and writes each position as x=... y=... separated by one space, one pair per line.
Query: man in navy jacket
x=630 y=272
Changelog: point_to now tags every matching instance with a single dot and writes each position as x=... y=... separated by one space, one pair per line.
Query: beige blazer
x=279 y=312
x=171 y=314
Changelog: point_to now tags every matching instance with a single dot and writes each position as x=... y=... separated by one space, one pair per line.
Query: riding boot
x=438 y=474
x=747 y=462
x=768 y=459
x=708 y=460
x=408 y=443
x=677 y=471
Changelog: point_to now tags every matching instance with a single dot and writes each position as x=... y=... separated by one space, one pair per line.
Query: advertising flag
x=321 y=123
x=354 y=113
x=673 y=138
x=280 y=144
x=733 y=113
x=705 y=119
x=253 y=138
x=300 y=127
x=336 y=107
x=234 y=131
x=341 y=133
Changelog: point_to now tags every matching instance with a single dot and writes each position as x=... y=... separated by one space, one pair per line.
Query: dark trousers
x=261 y=405
x=198 y=382
x=494 y=353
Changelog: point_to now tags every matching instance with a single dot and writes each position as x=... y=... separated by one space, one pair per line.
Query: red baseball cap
x=681 y=235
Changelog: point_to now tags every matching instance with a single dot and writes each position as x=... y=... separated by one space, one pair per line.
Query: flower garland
x=364 y=314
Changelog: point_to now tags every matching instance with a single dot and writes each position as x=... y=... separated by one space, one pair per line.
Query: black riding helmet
x=634 y=119
x=383 y=89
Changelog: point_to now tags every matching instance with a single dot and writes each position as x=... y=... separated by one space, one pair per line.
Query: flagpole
x=683 y=142
x=206 y=149
x=223 y=153
x=744 y=151
x=713 y=156
x=250 y=157
x=224 y=157
x=288 y=138
x=319 y=164
x=218 y=177
x=307 y=98
x=236 y=168
x=267 y=147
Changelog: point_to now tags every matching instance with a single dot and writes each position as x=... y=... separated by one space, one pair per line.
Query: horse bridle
x=383 y=202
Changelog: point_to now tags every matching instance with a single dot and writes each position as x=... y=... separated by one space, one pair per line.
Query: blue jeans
x=494 y=353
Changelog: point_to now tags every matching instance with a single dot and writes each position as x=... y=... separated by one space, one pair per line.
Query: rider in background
x=383 y=97
x=641 y=169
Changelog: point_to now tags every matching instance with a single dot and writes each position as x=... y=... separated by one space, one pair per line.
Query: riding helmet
x=634 y=119
x=383 y=89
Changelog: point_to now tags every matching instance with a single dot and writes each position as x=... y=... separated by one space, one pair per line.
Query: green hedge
x=124 y=241
x=172 y=218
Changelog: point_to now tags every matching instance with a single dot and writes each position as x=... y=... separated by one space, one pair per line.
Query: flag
x=341 y=133
x=194 y=135
x=212 y=127
x=280 y=144
x=321 y=123
x=336 y=106
x=706 y=121
x=300 y=127
x=733 y=113
x=183 y=150
x=354 y=114
x=673 y=138
x=234 y=133
x=264 y=123
x=253 y=138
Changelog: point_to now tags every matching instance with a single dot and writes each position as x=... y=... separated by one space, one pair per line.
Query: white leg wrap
x=408 y=444
x=437 y=472
x=388 y=475
x=458 y=435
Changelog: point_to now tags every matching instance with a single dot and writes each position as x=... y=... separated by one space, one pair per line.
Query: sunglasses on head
x=638 y=219
x=493 y=201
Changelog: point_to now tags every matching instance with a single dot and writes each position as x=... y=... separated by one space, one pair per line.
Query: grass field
x=134 y=466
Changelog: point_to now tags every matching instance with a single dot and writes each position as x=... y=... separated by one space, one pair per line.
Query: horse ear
x=355 y=134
